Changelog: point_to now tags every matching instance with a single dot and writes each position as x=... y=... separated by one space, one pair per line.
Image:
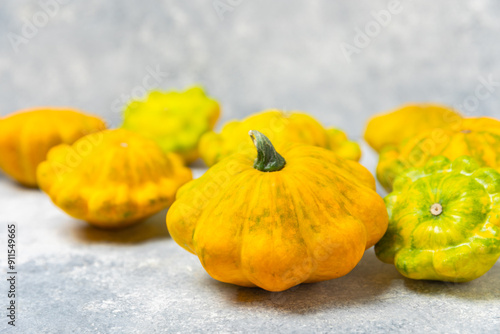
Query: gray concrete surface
x=73 y=278
x=257 y=54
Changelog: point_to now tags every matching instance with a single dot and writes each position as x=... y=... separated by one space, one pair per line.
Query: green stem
x=268 y=160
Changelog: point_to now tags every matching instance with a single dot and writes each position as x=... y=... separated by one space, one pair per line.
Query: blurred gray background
x=253 y=55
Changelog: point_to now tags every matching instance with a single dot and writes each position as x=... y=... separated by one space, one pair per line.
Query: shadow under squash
x=486 y=287
x=372 y=281
x=368 y=280
x=151 y=228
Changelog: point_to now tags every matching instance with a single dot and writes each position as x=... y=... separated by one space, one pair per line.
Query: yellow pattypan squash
x=305 y=215
x=112 y=178
x=392 y=128
x=27 y=135
x=280 y=127
x=475 y=137
x=175 y=120
x=444 y=221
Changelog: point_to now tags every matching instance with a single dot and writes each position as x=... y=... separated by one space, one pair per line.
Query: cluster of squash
x=285 y=200
x=444 y=209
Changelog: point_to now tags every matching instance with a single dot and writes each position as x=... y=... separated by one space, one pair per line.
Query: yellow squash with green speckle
x=301 y=215
x=175 y=120
x=112 y=178
x=281 y=128
x=475 y=137
x=444 y=221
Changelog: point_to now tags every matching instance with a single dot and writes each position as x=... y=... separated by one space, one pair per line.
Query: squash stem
x=268 y=160
x=436 y=209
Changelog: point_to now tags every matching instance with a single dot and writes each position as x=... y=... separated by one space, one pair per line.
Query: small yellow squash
x=27 y=135
x=112 y=178
x=304 y=216
x=475 y=137
x=281 y=128
x=392 y=128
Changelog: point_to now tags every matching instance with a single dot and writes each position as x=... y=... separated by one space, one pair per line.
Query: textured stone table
x=73 y=278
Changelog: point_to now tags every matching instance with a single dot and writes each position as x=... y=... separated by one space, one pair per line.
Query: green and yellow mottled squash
x=475 y=137
x=305 y=215
x=174 y=120
x=444 y=221
x=392 y=128
x=281 y=128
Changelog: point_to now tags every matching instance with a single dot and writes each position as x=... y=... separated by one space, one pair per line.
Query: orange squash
x=27 y=135
x=112 y=179
x=281 y=128
x=475 y=137
x=392 y=128
x=301 y=215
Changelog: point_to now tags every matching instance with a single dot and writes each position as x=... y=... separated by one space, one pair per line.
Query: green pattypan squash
x=174 y=120
x=444 y=221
